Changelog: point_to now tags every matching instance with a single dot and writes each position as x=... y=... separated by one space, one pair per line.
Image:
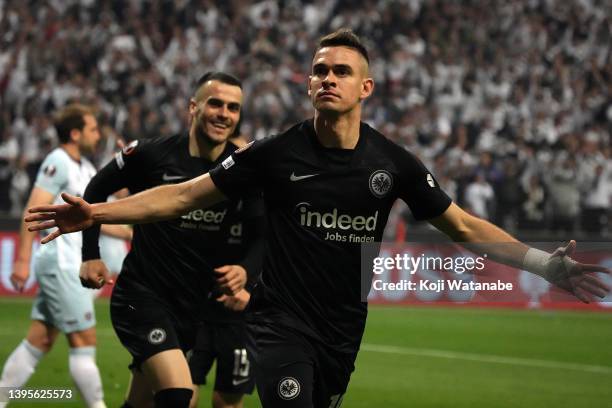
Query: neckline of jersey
x=311 y=133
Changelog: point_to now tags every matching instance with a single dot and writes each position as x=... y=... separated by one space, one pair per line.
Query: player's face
x=216 y=111
x=90 y=135
x=339 y=80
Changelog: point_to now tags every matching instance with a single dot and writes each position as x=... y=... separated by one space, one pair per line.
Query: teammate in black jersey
x=328 y=185
x=167 y=282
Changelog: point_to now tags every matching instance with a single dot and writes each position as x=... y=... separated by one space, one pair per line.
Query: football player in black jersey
x=168 y=284
x=328 y=185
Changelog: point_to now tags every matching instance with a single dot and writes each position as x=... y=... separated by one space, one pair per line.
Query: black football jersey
x=175 y=259
x=321 y=205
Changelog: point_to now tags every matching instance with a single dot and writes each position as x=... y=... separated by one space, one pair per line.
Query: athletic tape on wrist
x=535 y=261
x=544 y=264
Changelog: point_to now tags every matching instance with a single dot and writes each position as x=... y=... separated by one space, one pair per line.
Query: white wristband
x=535 y=261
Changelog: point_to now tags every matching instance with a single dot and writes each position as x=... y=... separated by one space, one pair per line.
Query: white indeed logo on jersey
x=215 y=217
x=381 y=182
x=334 y=220
x=288 y=388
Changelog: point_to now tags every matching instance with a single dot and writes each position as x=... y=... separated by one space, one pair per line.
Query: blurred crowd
x=508 y=102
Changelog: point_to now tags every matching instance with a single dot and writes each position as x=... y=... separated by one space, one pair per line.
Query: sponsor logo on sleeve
x=430 y=180
x=50 y=170
x=227 y=163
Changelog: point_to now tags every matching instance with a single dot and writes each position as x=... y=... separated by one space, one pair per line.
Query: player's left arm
x=558 y=268
x=462 y=227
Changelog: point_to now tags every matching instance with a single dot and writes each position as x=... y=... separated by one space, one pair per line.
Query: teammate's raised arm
x=157 y=204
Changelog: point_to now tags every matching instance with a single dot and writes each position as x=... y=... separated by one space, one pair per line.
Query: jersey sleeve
x=132 y=160
x=53 y=174
x=241 y=173
x=420 y=190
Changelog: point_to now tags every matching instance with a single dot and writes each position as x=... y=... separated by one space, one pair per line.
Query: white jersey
x=60 y=173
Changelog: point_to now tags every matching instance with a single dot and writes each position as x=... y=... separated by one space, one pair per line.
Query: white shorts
x=61 y=299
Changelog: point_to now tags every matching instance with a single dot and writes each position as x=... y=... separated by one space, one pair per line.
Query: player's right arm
x=21 y=267
x=243 y=170
x=157 y=204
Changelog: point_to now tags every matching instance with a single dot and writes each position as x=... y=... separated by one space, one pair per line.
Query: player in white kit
x=62 y=303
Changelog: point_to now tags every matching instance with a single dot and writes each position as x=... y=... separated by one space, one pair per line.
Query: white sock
x=85 y=373
x=20 y=366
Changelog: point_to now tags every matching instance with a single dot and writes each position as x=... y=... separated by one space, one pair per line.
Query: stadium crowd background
x=509 y=102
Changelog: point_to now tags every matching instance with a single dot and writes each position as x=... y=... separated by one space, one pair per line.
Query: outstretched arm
x=160 y=203
x=558 y=268
x=157 y=204
x=480 y=236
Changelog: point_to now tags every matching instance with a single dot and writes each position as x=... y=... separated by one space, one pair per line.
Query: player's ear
x=309 y=81
x=367 y=87
x=192 y=106
x=75 y=135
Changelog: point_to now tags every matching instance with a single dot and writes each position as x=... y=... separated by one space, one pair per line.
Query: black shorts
x=292 y=370
x=225 y=342
x=145 y=326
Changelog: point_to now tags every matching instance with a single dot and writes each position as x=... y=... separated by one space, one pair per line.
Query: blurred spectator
x=596 y=184
x=532 y=209
x=479 y=197
x=9 y=150
x=518 y=80
x=564 y=193
x=508 y=193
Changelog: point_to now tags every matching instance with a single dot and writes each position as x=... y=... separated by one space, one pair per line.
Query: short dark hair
x=69 y=118
x=217 y=76
x=344 y=37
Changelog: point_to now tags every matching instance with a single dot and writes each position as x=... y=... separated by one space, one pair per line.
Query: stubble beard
x=202 y=135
